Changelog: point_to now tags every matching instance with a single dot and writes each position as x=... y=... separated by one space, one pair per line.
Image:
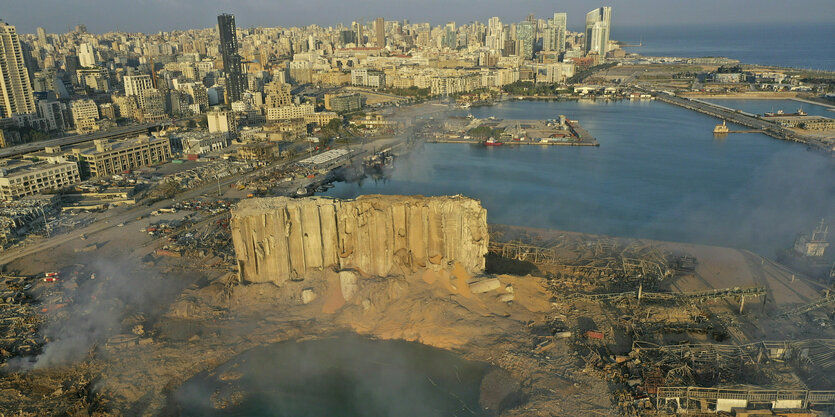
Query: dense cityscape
x=177 y=206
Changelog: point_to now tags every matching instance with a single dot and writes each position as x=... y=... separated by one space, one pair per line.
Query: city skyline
x=155 y=16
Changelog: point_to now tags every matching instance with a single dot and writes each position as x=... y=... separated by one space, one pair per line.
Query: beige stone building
x=24 y=178
x=289 y=112
x=222 y=122
x=320 y=118
x=109 y=158
x=84 y=115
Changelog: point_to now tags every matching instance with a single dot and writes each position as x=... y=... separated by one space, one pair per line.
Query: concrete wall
x=280 y=239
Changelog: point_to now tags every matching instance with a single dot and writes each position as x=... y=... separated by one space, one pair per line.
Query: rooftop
x=16 y=167
x=108 y=145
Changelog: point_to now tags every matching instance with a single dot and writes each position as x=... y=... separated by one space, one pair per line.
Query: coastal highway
x=118 y=216
x=122 y=215
x=122 y=132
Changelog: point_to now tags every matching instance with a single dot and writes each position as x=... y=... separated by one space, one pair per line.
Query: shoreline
x=792 y=97
x=745 y=119
x=513 y=143
x=830 y=107
x=740 y=97
x=812 y=142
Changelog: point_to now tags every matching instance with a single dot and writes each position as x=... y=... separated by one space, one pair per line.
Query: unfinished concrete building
x=280 y=239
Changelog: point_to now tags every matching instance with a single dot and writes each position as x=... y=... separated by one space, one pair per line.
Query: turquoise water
x=659 y=173
x=762 y=106
x=344 y=376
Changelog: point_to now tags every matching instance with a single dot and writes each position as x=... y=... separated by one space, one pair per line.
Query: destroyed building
x=280 y=239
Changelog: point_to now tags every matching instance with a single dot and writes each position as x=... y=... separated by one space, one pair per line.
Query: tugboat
x=492 y=142
x=721 y=129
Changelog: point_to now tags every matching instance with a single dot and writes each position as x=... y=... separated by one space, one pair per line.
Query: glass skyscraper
x=526 y=35
x=235 y=80
x=598 y=24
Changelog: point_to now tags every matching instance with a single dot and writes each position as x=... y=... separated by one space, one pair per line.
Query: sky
x=151 y=16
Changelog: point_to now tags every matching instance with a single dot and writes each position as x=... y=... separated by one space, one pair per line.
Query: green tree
x=334 y=124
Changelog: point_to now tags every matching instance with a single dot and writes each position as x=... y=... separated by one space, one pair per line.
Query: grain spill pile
x=280 y=239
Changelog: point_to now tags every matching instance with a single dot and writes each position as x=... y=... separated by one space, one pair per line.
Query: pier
x=510 y=132
x=742 y=118
x=738 y=131
x=515 y=143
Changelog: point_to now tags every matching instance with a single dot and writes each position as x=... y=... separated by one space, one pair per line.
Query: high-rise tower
x=15 y=90
x=380 y=32
x=495 y=34
x=598 y=24
x=358 y=35
x=87 y=55
x=42 y=36
x=556 y=33
x=526 y=35
x=235 y=80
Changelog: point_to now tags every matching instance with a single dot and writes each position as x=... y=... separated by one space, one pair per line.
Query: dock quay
x=514 y=143
x=507 y=132
x=743 y=118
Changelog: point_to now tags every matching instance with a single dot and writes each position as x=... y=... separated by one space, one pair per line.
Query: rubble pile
x=617 y=308
x=586 y=266
x=206 y=172
x=24 y=216
x=67 y=392
x=19 y=320
x=278 y=175
x=208 y=239
x=205 y=206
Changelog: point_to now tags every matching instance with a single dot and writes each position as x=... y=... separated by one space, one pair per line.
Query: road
x=73 y=140
x=121 y=215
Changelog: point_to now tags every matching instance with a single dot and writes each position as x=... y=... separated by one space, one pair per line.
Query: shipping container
x=594 y=335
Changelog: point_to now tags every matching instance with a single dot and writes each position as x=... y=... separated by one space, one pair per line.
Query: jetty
x=512 y=132
x=746 y=119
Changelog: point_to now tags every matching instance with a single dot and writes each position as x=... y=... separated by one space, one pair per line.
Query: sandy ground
x=211 y=321
x=729 y=268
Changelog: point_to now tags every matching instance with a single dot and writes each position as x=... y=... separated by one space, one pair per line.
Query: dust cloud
x=109 y=292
